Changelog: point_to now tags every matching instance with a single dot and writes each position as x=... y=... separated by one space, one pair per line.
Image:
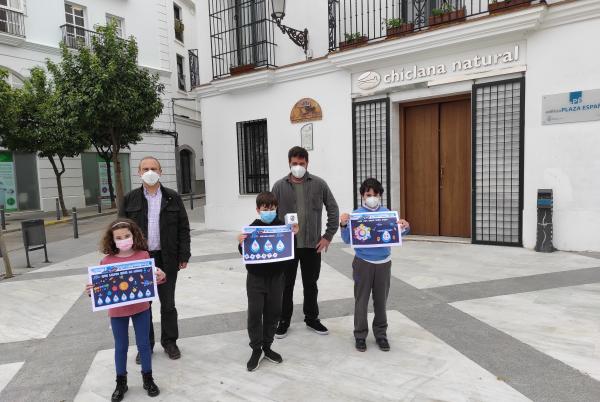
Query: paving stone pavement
x=483 y=351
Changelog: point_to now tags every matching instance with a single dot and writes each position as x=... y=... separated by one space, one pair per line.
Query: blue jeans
x=120 y=328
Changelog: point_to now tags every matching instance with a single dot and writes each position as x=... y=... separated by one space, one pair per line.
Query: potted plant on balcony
x=446 y=13
x=179 y=27
x=497 y=6
x=397 y=27
x=242 y=68
x=353 y=40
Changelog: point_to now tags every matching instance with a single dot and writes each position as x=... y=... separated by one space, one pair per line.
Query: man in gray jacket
x=305 y=194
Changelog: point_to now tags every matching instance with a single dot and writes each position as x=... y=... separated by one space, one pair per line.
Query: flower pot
x=456 y=15
x=241 y=69
x=506 y=4
x=401 y=30
x=346 y=45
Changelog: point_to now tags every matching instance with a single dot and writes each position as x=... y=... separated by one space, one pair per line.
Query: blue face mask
x=268 y=216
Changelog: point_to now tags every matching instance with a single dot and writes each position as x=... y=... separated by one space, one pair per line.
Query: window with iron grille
x=194 y=68
x=253 y=156
x=371 y=146
x=178 y=22
x=180 y=75
x=241 y=34
x=498 y=127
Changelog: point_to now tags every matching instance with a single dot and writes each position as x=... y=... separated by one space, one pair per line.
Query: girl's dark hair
x=107 y=244
x=266 y=199
x=297 y=152
x=371 y=183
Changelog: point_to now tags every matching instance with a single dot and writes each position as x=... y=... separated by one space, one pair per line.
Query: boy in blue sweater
x=371 y=270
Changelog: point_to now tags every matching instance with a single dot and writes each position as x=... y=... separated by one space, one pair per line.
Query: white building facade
x=463 y=117
x=30 y=33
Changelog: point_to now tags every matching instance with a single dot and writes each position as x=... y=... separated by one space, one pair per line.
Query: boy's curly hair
x=107 y=243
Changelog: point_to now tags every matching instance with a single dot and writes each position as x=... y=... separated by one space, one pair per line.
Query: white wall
x=331 y=159
x=564 y=157
x=72 y=184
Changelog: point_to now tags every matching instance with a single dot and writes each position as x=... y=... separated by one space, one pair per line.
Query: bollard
x=192 y=201
x=2 y=217
x=99 y=204
x=75 y=228
x=57 y=210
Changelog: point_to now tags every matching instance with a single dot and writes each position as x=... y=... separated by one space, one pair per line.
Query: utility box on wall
x=544 y=221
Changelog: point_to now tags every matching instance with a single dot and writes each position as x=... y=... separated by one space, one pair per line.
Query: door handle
x=441 y=176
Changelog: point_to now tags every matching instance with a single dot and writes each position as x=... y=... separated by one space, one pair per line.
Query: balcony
x=194 y=68
x=12 y=26
x=241 y=36
x=353 y=23
x=76 y=37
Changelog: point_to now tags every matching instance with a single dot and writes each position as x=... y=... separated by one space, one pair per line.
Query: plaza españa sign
x=571 y=107
x=467 y=64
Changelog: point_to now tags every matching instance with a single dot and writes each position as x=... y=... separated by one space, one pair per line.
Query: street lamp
x=300 y=38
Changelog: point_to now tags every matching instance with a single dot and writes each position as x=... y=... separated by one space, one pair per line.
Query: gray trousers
x=369 y=278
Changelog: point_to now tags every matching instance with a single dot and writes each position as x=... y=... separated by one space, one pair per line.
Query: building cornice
x=571 y=12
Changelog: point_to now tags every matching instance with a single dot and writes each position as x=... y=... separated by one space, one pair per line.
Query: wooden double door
x=436 y=167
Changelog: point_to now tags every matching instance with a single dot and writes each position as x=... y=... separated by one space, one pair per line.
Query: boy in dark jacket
x=264 y=287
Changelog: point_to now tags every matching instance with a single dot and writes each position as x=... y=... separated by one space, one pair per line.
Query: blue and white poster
x=267 y=244
x=121 y=284
x=375 y=229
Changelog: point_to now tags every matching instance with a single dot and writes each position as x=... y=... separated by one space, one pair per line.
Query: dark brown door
x=436 y=168
x=455 y=168
x=422 y=159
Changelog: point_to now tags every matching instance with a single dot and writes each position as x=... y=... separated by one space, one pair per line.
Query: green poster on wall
x=103 y=180
x=7 y=182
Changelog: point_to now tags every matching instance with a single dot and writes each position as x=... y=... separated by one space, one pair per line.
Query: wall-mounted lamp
x=300 y=38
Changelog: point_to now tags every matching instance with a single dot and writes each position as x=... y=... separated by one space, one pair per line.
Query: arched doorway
x=185 y=165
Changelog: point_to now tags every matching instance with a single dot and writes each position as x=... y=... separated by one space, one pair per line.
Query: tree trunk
x=107 y=157
x=7 y=267
x=58 y=175
x=116 y=147
x=111 y=189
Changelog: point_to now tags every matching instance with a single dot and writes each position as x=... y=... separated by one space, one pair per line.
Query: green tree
x=112 y=98
x=45 y=128
x=8 y=104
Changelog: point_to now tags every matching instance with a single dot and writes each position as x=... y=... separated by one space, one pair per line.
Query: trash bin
x=544 y=221
x=34 y=237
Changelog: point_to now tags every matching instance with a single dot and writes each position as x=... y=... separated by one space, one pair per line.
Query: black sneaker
x=316 y=326
x=361 y=345
x=282 y=329
x=383 y=344
x=272 y=356
x=254 y=360
x=173 y=351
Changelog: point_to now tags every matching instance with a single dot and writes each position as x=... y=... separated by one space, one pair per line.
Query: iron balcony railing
x=194 y=68
x=352 y=22
x=241 y=36
x=77 y=37
x=12 y=22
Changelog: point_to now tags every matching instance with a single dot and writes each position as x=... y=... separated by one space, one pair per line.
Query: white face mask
x=372 y=202
x=298 y=171
x=150 y=177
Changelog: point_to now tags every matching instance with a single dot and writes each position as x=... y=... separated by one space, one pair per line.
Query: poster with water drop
x=374 y=229
x=123 y=283
x=267 y=244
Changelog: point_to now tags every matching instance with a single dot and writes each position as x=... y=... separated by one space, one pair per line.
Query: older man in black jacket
x=160 y=213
